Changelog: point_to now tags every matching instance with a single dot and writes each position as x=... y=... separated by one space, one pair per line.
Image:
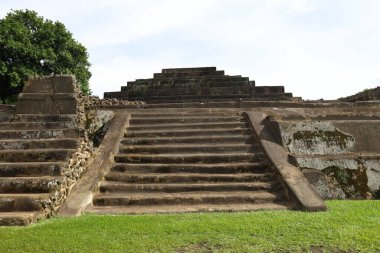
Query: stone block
x=48 y=95
x=34 y=103
x=50 y=84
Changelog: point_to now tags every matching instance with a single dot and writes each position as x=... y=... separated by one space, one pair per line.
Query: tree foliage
x=31 y=45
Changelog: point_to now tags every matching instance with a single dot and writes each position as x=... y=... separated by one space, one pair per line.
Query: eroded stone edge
x=82 y=194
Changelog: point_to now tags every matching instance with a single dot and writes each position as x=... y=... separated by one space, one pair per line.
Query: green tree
x=31 y=45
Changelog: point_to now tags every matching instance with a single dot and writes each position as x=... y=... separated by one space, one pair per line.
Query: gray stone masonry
x=48 y=95
x=205 y=83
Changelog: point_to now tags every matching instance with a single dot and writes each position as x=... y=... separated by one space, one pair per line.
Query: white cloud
x=316 y=48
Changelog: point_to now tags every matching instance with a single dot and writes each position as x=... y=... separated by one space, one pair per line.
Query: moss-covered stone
x=353 y=182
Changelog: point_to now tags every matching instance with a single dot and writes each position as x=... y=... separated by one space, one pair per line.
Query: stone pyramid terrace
x=192 y=84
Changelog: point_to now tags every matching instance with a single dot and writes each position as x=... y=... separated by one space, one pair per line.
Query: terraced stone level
x=33 y=152
x=194 y=84
x=188 y=162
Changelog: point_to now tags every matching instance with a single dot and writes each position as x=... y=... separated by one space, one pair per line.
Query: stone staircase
x=33 y=152
x=39 y=151
x=189 y=162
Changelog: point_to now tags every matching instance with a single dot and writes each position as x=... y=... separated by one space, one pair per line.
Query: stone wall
x=340 y=157
x=91 y=102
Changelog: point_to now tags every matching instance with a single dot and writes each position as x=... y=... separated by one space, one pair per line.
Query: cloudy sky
x=315 y=48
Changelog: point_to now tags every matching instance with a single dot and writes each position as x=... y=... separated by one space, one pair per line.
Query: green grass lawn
x=348 y=226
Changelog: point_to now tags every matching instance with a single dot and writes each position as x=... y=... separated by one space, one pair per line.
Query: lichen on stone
x=353 y=182
x=331 y=137
x=316 y=138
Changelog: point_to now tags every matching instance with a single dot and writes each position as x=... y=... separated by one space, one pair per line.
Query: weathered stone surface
x=294 y=182
x=196 y=84
x=48 y=95
x=326 y=188
x=316 y=138
x=43 y=149
x=34 y=103
x=366 y=95
x=97 y=124
x=335 y=144
x=50 y=84
x=373 y=174
x=220 y=168
x=343 y=144
x=82 y=193
x=94 y=102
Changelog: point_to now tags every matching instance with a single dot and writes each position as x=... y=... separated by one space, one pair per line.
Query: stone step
x=169 y=127
x=36 y=125
x=186 y=115
x=18 y=169
x=119 y=187
x=200 y=81
x=185 y=177
x=273 y=96
x=186 y=80
x=40 y=134
x=205 y=102
x=191 y=70
x=18 y=218
x=189 y=148
x=23 y=202
x=226 y=89
x=177 y=120
x=28 y=184
x=242 y=167
x=187 y=132
x=180 y=98
x=39 y=144
x=44 y=118
x=190 y=86
x=172 y=209
x=36 y=155
x=191 y=74
x=189 y=158
x=212 y=139
x=185 y=198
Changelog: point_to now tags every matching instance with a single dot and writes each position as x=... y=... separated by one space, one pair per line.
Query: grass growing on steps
x=348 y=226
